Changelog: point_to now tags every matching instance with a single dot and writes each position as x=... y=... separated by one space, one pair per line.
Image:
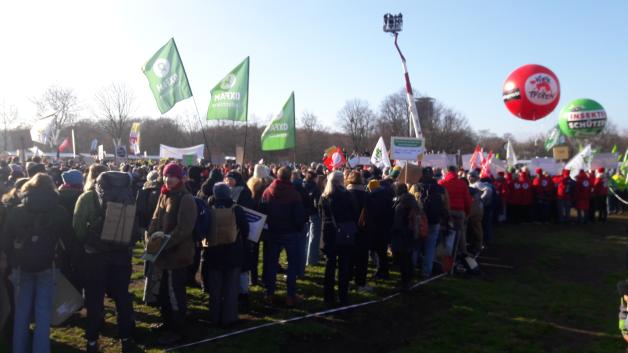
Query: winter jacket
x=39 y=221
x=583 y=192
x=282 y=204
x=543 y=188
x=404 y=237
x=175 y=215
x=522 y=194
x=228 y=255
x=341 y=204
x=314 y=194
x=564 y=186
x=600 y=186
x=459 y=197
x=379 y=207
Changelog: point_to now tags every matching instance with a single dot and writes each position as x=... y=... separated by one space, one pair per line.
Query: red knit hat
x=173 y=169
x=538 y=171
x=600 y=170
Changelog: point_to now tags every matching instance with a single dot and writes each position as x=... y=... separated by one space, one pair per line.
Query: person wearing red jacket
x=501 y=188
x=459 y=204
x=564 y=190
x=542 y=188
x=582 y=195
x=510 y=191
x=522 y=197
x=600 y=195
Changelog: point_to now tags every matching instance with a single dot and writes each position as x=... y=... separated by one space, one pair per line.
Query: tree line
x=110 y=119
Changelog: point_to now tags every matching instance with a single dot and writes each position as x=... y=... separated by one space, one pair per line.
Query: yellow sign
x=561 y=153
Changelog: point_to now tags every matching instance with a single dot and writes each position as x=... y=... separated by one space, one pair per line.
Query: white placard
x=406 y=148
x=256 y=223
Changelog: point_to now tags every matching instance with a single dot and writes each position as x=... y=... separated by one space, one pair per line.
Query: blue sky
x=459 y=52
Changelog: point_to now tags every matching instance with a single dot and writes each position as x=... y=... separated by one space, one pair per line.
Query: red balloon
x=531 y=92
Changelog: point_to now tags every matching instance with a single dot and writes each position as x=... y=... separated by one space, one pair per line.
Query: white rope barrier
x=298 y=318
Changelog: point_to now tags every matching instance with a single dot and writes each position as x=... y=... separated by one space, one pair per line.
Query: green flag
x=553 y=138
x=166 y=77
x=230 y=97
x=614 y=149
x=279 y=134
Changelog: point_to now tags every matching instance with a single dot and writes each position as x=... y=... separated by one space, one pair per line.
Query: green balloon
x=582 y=118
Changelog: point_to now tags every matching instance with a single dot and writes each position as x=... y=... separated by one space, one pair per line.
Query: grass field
x=543 y=288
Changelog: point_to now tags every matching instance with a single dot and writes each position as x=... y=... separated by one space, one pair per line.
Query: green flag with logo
x=230 y=97
x=166 y=77
x=279 y=134
x=553 y=138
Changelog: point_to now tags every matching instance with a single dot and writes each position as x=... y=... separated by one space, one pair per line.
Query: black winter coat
x=341 y=204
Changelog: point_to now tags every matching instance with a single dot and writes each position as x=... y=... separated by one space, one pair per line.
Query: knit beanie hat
x=222 y=191
x=72 y=177
x=173 y=169
x=373 y=185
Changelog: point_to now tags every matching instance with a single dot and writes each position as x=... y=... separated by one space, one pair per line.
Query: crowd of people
x=56 y=219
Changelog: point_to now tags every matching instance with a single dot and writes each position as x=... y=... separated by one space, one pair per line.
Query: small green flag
x=614 y=149
x=166 y=77
x=280 y=132
x=230 y=97
x=553 y=138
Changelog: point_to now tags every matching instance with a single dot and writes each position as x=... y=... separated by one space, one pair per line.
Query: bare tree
x=309 y=122
x=394 y=115
x=115 y=105
x=357 y=120
x=8 y=117
x=62 y=105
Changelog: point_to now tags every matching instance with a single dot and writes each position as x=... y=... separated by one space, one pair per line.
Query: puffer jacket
x=459 y=197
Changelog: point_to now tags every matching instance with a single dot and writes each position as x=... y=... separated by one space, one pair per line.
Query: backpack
x=223 y=229
x=118 y=210
x=203 y=220
x=432 y=200
x=35 y=249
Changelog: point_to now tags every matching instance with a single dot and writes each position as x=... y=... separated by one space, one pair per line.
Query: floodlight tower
x=393 y=24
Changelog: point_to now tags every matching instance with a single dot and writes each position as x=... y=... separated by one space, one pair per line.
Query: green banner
x=280 y=132
x=553 y=138
x=230 y=97
x=166 y=77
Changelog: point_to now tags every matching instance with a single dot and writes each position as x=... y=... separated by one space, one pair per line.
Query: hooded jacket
x=523 y=194
x=284 y=208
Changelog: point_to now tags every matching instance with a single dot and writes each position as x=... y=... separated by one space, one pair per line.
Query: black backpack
x=432 y=199
x=35 y=247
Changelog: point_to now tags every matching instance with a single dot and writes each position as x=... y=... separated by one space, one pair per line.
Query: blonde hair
x=39 y=181
x=94 y=171
x=334 y=180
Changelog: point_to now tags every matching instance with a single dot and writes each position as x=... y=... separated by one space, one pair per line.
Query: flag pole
x=73 y=144
x=198 y=115
x=246 y=123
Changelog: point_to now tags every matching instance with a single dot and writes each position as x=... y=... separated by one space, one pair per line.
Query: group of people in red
x=543 y=197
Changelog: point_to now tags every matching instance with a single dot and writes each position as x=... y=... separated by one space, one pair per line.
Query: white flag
x=379 y=158
x=580 y=161
x=43 y=130
x=511 y=157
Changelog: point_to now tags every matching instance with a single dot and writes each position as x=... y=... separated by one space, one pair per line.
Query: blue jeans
x=303 y=248
x=314 y=238
x=34 y=292
x=429 y=249
x=290 y=242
